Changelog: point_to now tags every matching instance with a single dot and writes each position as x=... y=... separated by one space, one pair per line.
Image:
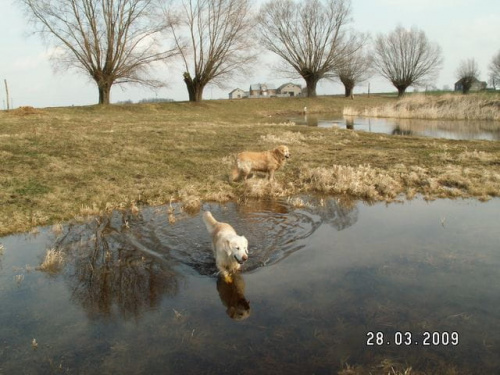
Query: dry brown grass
x=53 y=262
x=450 y=106
x=69 y=162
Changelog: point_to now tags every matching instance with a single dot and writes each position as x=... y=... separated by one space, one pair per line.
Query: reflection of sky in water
x=134 y=300
x=485 y=130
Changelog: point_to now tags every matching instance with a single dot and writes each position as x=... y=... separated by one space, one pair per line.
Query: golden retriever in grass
x=230 y=249
x=266 y=161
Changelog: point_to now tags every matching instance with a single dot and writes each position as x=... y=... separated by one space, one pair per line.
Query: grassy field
x=62 y=163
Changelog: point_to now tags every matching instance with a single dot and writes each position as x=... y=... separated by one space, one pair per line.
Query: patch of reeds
x=449 y=106
x=53 y=262
x=361 y=181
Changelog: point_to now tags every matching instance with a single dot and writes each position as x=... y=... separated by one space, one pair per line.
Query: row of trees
x=122 y=41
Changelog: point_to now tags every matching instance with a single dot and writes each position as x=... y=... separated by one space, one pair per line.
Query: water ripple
x=274 y=231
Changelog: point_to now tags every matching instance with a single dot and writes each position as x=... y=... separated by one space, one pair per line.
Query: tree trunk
x=348 y=91
x=104 y=93
x=194 y=87
x=401 y=90
x=311 y=82
x=466 y=86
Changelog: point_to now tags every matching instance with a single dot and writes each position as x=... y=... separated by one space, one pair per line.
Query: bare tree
x=495 y=70
x=467 y=73
x=407 y=58
x=214 y=38
x=111 y=41
x=357 y=67
x=309 y=36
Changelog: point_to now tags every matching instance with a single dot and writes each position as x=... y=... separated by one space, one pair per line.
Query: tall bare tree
x=467 y=73
x=110 y=41
x=407 y=58
x=309 y=36
x=495 y=70
x=357 y=67
x=215 y=40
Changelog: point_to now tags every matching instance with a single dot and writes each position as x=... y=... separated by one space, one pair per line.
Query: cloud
x=37 y=60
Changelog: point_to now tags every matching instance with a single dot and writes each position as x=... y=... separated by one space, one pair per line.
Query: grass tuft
x=53 y=262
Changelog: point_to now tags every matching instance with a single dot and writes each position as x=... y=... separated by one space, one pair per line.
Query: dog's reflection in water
x=232 y=295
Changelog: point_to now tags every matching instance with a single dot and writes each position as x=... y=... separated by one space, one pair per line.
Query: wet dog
x=230 y=249
x=266 y=161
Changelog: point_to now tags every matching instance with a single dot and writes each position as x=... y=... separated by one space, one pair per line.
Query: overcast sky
x=463 y=29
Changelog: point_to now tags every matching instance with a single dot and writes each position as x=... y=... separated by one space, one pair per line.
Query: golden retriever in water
x=230 y=250
x=266 y=161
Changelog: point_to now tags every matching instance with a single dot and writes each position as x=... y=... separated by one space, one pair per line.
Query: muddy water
x=486 y=130
x=327 y=285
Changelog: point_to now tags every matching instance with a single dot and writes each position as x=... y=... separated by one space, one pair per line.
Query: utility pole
x=6 y=93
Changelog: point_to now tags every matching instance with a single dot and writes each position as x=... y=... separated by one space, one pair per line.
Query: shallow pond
x=328 y=285
x=486 y=130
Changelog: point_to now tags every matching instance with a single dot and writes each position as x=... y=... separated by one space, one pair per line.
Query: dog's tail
x=209 y=221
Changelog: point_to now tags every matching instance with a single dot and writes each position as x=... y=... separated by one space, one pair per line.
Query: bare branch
x=495 y=70
x=309 y=36
x=467 y=73
x=215 y=40
x=356 y=65
x=406 y=58
x=111 y=41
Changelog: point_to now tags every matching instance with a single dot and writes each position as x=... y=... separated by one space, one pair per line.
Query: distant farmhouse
x=476 y=85
x=290 y=89
x=264 y=90
x=238 y=94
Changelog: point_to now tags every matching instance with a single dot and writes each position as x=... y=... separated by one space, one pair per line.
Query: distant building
x=262 y=90
x=238 y=94
x=477 y=85
x=289 y=89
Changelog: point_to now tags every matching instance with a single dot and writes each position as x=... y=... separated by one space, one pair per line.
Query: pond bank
x=62 y=163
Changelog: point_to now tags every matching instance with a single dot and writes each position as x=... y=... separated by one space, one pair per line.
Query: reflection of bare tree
x=340 y=213
x=233 y=298
x=110 y=272
x=311 y=120
x=399 y=131
x=349 y=122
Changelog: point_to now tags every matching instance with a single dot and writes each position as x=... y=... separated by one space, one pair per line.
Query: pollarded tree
x=406 y=58
x=309 y=36
x=215 y=39
x=495 y=70
x=110 y=41
x=357 y=67
x=467 y=73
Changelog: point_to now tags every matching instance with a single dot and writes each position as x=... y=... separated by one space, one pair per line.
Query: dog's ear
x=245 y=240
x=227 y=247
